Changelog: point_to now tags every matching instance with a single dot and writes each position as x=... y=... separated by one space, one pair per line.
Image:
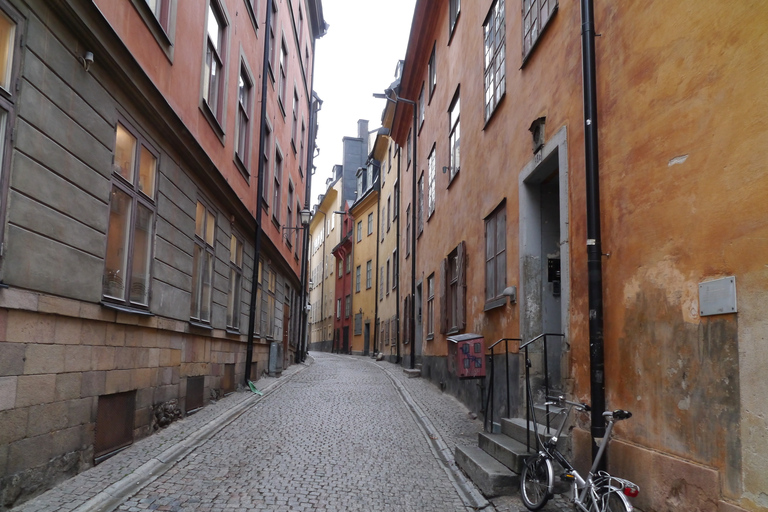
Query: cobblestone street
x=342 y=433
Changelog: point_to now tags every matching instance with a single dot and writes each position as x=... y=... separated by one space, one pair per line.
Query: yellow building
x=366 y=279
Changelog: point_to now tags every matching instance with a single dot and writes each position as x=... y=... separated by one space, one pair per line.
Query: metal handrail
x=489 y=407
x=529 y=394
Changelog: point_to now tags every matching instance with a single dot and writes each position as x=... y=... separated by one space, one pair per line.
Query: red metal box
x=466 y=355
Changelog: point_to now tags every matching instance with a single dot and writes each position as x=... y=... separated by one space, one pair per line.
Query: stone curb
x=466 y=489
x=117 y=493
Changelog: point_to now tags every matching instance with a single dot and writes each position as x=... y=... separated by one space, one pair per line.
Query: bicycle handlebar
x=618 y=414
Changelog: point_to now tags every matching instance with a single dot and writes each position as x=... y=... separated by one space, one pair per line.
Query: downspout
x=594 y=243
x=397 y=289
x=413 y=241
x=314 y=106
x=259 y=193
x=378 y=249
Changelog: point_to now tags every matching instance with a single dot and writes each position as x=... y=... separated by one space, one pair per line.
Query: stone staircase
x=495 y=464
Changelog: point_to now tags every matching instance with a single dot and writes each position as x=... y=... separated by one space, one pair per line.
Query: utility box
x=275 y=366
x=466 y=355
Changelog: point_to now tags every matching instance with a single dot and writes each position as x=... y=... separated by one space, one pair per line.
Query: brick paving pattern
x=343 y=433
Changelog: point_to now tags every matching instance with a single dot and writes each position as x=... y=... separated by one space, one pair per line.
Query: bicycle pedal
x=567 y=477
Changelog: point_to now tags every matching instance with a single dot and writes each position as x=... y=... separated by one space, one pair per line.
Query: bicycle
x=599 y=492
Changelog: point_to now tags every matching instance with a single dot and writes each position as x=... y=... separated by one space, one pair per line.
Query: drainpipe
x=397 y=290
x=378 y=286
x=594 y=245
x=259 y=193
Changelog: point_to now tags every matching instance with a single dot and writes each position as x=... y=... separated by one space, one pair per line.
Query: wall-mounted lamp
x=304 y=217
x=511 y=292
x=87 y=60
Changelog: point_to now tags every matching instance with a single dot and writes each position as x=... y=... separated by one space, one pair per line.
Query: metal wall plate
x=717 y=297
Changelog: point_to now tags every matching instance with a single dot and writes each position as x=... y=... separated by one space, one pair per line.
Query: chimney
x=362 y=129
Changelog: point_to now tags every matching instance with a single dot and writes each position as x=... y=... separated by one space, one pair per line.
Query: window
x=161 y=10
x=536 y=16
x=395 y=276
x=349 y=263
x=389 y=212
x=409 y=144
x=453 y=291
x=386 y=286
x=495 y=253
x=431 y=192
x=276 y=185
x=11 y=28
x=431 y=306
x=341 y=267
x=265 y=155
x=421 y=107
x=359 y=231
x=347 y=306
x=370 y=223
x=455 y=9
x=357 y=279
x=295 y=122
x=202 y=264
x=368 y=274
x=407 y=231
x=338 y=308
x=213 y=82
x=244 y=110
x=297 y=232
x=235 y=282
x=420 y=218
x=432 y=73
x=282 y=76
x=289 y=213
x=272 y=41
x=270 y=326
x=131 y=220
x=301 y=145
x=494 y=29
x=454 y=138
x=397 y=200
x=381 y=283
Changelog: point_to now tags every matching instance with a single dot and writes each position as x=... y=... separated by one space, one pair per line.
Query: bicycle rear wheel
x=616 y=503
x=536 y=482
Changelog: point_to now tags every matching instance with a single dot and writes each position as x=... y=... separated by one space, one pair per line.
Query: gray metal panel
x=718 y=297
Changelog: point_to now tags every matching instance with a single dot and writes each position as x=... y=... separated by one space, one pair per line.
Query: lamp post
x=412 y=320
x=304 y=217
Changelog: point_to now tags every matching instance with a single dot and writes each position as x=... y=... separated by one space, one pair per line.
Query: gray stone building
x=132 y=155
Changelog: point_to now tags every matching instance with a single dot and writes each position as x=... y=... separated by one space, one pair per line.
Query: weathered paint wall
x=363 y=251
x=684 y=194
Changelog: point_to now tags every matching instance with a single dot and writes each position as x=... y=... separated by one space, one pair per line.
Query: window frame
x=370 y=224
x=9 y=103
x=535 y=30
x=368 y=274
x=359 y=231
x=208 y=249
x=432 y=72
x=420 y=198
x=422 y=108
x=243 y=147
x=282 y=76
x=235 y=286
x=277 y=177
x=454 y=10
x=216 y=114
x=138 y=198
x=454 y=136
x=494 y=75
x=358 y=277
x=431 y=186
x=431 y=306
x=493 y=253
x=162 y=28
x=266 y=152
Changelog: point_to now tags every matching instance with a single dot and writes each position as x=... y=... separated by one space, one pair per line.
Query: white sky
x=356 y=58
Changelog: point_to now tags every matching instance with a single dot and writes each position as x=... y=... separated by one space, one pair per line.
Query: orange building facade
x=501 y=228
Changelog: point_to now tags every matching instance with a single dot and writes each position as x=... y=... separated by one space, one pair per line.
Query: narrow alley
x=341 y=433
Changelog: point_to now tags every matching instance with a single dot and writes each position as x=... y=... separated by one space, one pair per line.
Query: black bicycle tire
x=615 y=503
x=536 y=465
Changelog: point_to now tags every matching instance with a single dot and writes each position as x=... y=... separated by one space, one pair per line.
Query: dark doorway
x=114 y=424
x=367 y=339
x=345 y=347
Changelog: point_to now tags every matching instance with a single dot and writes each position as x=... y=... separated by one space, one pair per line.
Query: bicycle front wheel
x=616 y=502
x=536 y=482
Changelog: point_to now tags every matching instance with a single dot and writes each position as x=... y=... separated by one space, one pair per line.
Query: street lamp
x=412 y=322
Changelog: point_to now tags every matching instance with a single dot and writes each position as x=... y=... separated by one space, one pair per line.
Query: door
x=367 y=339
x=286 y=332
x=345 y=347
x=418 y=335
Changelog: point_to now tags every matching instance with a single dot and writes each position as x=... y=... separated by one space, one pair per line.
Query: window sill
x=452 y=30
x=200 y=325
x=495 y=303
x=233 y=331
x=211 y=118
x=127 y=309
x=242 y=168
x=454 y=330
x=430 y=337
x=452 y=178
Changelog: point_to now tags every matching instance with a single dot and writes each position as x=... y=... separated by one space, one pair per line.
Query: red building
x=342 y=319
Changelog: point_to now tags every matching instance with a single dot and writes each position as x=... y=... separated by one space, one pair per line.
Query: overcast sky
x=356 y=58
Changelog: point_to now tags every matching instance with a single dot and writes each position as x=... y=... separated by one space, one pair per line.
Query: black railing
x=528 y=393
x=489 y=406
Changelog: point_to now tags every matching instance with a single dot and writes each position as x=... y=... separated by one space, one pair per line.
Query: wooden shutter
x=444 y=296
x=461 y=307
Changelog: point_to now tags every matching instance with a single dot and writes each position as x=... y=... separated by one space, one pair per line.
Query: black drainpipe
x=259 y=193
x=594 y=245
x=397 y=237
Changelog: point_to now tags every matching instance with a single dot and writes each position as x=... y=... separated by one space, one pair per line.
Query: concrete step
x=517 y=429
x=412 y=374
x=489 y=475
x=506 y=450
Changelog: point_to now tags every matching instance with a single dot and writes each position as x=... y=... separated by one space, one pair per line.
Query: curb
x=114 y=495
x=466 y=489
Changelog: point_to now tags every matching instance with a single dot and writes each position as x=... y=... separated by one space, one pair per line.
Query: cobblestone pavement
x=344 y=433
